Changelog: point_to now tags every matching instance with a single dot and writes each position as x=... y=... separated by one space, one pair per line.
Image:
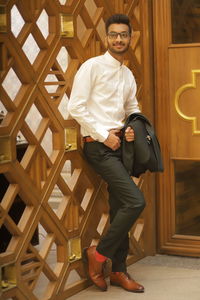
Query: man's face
x=118 y=38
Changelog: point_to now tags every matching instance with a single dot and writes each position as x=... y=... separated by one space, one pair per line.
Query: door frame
x=167 y=240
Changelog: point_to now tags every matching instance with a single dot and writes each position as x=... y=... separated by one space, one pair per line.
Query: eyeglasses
x=123 y=35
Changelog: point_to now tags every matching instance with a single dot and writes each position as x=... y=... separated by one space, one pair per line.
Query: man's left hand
x=129 y=134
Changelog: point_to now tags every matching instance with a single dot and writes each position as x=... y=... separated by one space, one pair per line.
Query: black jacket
x=144 y=152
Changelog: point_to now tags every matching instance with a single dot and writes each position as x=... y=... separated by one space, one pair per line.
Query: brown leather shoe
x=126 y=282
x=95 y=268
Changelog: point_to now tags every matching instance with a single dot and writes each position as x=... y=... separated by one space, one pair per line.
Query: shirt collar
x=111 y=60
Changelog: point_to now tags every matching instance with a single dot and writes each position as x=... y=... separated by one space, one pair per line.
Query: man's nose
x=118 y=37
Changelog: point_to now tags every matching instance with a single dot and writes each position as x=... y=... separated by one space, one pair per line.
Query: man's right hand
x=113 y=141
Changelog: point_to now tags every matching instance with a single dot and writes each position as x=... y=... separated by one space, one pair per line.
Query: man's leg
x=119 y=275
x=120 y=256
x=127 y=204
x=109 y=165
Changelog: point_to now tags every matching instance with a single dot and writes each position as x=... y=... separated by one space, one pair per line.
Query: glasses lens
x=124 y=35
x=113 y=35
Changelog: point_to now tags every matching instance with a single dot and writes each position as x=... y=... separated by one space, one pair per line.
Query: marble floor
x=164 y=277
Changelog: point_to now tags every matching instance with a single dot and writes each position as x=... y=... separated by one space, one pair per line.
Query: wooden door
x=177 y=61
x=52 y=203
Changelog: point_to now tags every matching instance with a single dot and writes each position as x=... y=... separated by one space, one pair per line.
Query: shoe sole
x=118 y=285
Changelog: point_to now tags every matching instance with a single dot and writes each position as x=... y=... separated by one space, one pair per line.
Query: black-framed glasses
x=123 y=35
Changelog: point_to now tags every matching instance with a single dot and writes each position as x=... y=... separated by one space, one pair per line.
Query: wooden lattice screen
x=52 y=204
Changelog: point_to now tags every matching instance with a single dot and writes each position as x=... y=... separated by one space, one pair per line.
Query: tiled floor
x=164 y=278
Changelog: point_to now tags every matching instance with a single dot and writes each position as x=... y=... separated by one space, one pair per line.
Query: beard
x=113 y=49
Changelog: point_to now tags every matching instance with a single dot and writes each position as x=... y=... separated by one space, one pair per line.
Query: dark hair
x=118 y=19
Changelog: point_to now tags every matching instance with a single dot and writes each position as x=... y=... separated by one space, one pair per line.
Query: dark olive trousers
x=125 y=199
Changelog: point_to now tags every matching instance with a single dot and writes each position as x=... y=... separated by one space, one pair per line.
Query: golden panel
x=67 y=25
x=181 y=90
x=5 y=150
x=3 y=21
x=71 y=138
x=74 y=249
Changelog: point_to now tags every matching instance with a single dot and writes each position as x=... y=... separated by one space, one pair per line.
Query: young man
x=103 y=95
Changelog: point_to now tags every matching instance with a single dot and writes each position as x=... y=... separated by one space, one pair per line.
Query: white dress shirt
x=103 y=95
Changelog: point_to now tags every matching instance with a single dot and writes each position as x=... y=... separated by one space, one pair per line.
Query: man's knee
x=139 y=203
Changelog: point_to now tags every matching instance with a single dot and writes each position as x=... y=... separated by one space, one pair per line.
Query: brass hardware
x=74 y=247
x=181 y=90
x=67 y=25
x=68 y=146
x=3 y=21
x=70 y=138
x=8 y=278
x=5 y=150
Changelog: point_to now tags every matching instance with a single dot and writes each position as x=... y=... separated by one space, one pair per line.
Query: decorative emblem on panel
x=74 y=248
x=179 y=93
x=5 y=150
x=71 y=139
x=8 y=277
x=67 y=25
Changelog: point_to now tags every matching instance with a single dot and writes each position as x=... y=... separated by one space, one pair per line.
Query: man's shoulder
x=93 y=60
x=127 y=70
x=90 y=67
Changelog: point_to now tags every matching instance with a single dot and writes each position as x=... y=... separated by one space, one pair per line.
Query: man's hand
x=129 y=134
x=113 y=141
